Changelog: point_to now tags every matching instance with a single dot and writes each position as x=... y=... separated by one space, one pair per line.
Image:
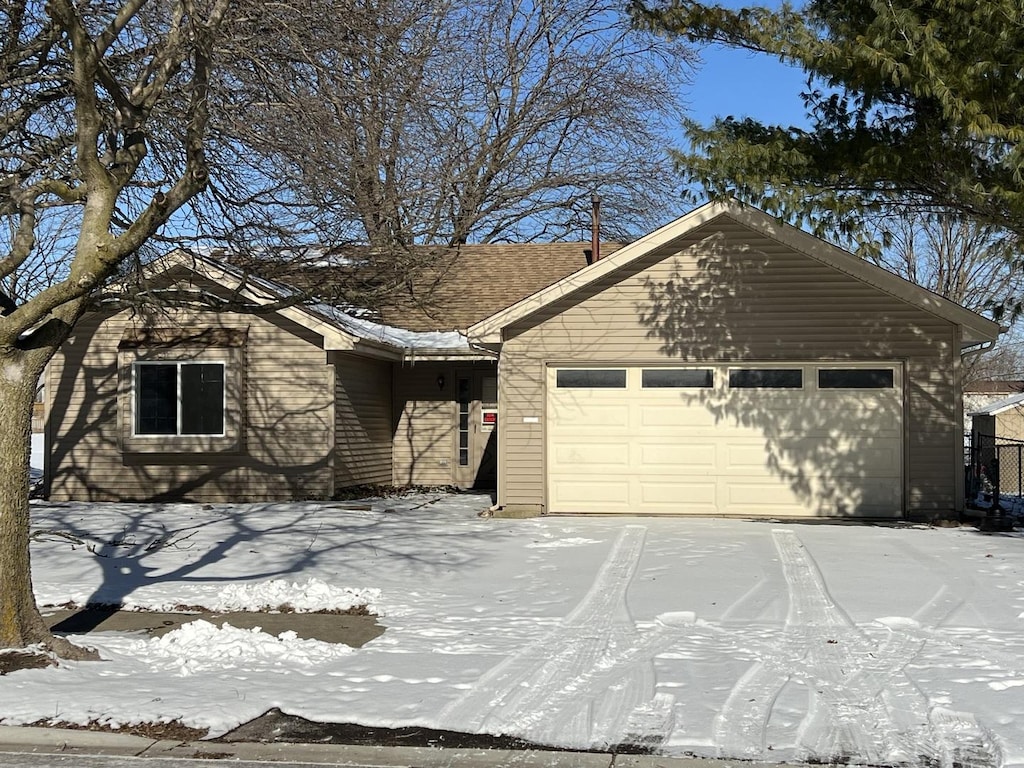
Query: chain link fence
x=994 y=465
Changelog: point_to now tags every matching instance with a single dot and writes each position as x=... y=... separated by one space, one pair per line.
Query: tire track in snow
x=846 y=717
x=586 y=682
x=861 y=702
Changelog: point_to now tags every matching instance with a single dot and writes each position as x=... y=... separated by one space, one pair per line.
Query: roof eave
x=976 y=329
x=447 y=355
x=335 y=339
x=489 y=330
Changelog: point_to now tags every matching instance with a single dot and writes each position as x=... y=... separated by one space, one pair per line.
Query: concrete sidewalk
x=66 y=743
x=354 y=631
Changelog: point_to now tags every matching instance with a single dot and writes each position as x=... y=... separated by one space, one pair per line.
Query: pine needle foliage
x=912 y=104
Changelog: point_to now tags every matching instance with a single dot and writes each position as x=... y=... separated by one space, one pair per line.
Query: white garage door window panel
x=723 y=450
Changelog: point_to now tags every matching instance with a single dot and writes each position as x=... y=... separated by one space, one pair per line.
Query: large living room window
x=179 y=398
x=181 y=390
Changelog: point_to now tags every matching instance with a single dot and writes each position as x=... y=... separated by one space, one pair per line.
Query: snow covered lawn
x=718 y=637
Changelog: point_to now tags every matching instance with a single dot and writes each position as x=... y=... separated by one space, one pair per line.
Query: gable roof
x=483 y=279
x=976 y=329
x=994 y=387
x=441 y=289
x=472 y=283
x=341 y=330
x=993 y=409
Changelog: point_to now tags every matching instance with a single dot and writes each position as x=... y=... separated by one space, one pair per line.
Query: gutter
x=976 y=349
x=412 y=354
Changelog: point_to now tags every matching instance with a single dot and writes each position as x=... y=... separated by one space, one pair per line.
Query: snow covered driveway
x=717 y=637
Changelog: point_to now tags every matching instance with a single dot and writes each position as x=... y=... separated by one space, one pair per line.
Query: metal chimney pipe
x=595 y=228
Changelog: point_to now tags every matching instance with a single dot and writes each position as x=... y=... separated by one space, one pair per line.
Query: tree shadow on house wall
x=726 y=302
x=283 y=450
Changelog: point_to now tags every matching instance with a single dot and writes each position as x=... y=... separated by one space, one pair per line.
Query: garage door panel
x=750 y=457
x=678 y=498
x=752 y=494
x=820 y=421
x=678 y=457
x=572 y=457
x=679 y=413
x=746 y=451
x=878 y=455
x=830 y=457
x=593 y=495
x=594 y=415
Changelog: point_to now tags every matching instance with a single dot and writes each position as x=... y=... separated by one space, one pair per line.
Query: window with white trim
x=179 y=398
x=766 y=378
x=856 y=378
x=590 y=378
x=677 y=378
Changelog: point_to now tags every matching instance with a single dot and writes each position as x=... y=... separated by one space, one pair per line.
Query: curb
x=35 y=740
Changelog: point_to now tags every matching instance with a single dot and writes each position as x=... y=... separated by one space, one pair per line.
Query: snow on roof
x=348 y=318
x=999 y=406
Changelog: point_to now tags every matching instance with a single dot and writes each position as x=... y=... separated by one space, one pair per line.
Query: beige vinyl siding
x=363 y=416
x=425 y=417
x=1010 y=424
x=287 y=419
x=725 y=293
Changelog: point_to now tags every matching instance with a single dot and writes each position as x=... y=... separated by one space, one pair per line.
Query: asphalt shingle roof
x=480 y=280
x=442 y=289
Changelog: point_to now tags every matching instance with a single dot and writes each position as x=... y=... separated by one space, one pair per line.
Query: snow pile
x=309 y=596
x=1012 y=506
x=199 y=646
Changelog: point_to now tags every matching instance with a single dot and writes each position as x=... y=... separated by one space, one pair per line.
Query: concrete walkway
x=353 y=631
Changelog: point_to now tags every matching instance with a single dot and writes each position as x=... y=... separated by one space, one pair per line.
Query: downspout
x=595 y=228
x=960 y=480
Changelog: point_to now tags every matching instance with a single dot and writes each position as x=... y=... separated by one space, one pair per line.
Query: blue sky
x=743 y=84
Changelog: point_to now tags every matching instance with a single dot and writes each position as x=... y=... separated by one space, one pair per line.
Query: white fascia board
x=335 y=339
x=489 y=330
x=449 y=355
x=1000 y=406
x=975 y=327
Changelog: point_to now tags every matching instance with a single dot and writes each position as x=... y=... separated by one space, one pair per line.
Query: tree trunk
x=20 y=622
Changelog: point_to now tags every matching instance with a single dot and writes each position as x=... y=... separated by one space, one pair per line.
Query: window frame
x=707 y=371
x=227 y=347
x=178 y=365
x=761 y=387
x=893 y=378
x=590 y=369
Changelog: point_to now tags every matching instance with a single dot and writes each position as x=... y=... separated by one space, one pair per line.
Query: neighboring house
x=1003 y=419
x=979 y=395
x=723 y=364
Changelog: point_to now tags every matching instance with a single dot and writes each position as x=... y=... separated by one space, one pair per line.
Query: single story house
x=724 y=364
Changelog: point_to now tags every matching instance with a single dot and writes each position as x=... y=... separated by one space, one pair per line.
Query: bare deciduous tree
x=127 y=126
x=465 y=122
x=975 y=265
x=83 y=86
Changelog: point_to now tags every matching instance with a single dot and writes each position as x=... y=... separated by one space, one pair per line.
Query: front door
x=477 y=443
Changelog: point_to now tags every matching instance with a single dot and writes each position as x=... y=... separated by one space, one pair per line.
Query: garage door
x=751 y=440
